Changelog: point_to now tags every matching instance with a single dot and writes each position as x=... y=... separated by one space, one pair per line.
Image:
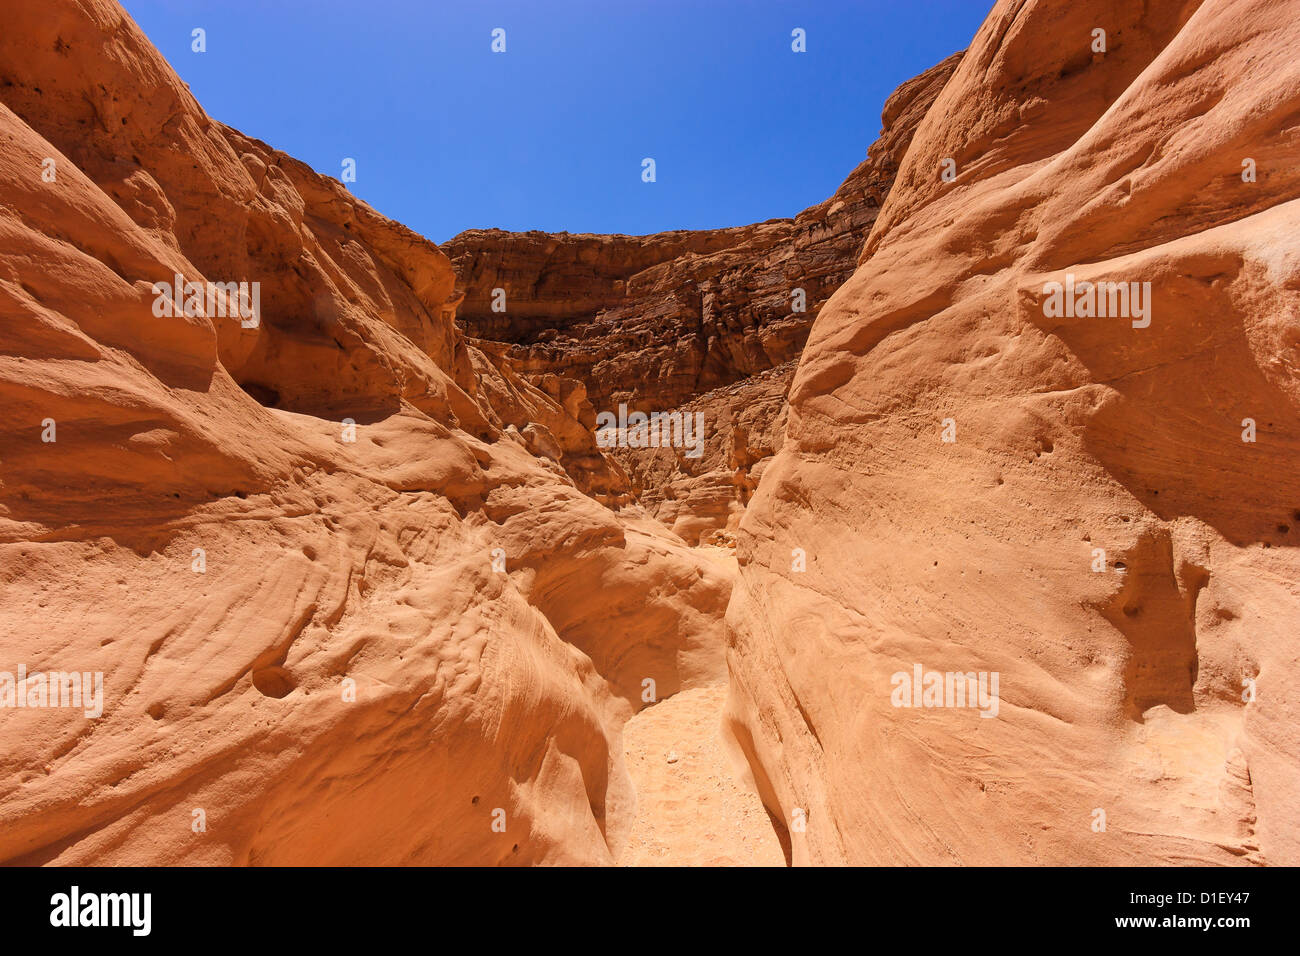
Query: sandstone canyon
x=368 y=583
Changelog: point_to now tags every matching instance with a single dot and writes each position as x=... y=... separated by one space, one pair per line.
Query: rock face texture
x=702 y=499
x=335 y=582
x=345 y=575
x=709 y=321
x=1147 y=703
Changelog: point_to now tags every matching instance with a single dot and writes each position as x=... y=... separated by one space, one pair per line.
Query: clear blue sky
x=550 y=135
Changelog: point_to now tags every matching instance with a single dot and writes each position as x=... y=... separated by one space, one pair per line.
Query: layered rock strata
x=709 y=321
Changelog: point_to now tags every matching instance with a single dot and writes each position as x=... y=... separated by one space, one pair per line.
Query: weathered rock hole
x=273 y=682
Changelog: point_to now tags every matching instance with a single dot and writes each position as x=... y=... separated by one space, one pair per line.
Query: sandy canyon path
x=694 y=806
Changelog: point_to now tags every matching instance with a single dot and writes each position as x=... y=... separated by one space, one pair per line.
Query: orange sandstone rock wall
x=343 y=572
x=703 y=497
x=360 y=586
x=1147 y=710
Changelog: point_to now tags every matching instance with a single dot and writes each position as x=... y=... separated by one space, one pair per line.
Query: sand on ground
x=693 y=809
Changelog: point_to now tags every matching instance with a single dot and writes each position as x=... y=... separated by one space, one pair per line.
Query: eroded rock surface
x=1160 y=692
x=350 y=598
x=361 y=585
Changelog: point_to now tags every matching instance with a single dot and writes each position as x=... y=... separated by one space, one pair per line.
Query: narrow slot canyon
x=953 y=520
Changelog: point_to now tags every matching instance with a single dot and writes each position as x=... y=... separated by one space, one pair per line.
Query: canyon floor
x=694 y=807
x=695 y=802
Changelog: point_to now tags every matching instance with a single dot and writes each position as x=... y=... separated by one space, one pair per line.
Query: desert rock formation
x=1160 y=689
x=336 y=566
x=708 y=321
x=364 y=588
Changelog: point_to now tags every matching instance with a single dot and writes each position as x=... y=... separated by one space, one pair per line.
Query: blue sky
x=551 y=134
